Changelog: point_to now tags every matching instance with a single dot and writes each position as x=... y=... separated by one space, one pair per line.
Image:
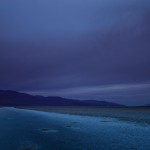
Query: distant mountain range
x=13 y=98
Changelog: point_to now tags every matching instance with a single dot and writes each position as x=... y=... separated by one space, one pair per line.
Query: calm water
x=33 y=130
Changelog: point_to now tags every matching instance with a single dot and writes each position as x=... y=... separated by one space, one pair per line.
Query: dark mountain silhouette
x=13 y=98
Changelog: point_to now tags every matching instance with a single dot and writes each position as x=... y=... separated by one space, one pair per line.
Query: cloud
x=129 y=94
x=59 y=45
x=36 y=20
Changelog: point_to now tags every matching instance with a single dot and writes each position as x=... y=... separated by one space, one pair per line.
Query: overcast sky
x=85 y=49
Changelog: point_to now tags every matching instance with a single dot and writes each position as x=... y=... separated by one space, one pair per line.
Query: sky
x=80 y=49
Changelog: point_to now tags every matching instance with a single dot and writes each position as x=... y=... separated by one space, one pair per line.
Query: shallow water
x=34 y=130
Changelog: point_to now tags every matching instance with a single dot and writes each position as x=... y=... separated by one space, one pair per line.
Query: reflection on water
x=33 y=130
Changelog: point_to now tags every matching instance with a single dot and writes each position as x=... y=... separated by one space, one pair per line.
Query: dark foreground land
x=132 y=114
x=91 y=128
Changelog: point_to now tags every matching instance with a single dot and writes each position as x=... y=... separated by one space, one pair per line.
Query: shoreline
x=132 y=115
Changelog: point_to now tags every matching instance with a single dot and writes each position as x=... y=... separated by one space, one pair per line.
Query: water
x=34 y=130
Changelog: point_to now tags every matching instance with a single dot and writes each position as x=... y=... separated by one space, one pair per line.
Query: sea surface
x=36 y=130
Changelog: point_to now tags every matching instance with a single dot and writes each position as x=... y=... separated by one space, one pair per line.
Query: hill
x=13 y=98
